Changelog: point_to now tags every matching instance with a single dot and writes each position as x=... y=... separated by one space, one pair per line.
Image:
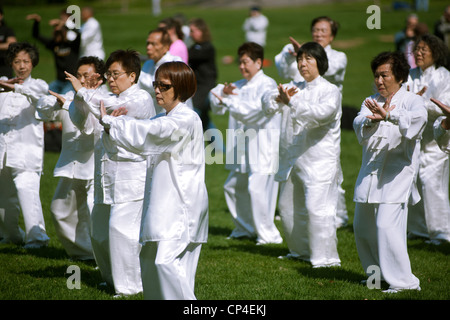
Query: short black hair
x=397 y=60
x=253 y=50
x=16 y=47
x=316 y=51
x=99 y=65
x=129 y=59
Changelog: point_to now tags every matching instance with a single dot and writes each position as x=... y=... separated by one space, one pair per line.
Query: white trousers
x=430 y=218
x=19 y=193
x=71 y=209
x=115 y=242
x=168 y=269
x=380 y=235
x=251 y=200
x=308 y=214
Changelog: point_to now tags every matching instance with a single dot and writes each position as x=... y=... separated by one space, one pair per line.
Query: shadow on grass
x=420 y=244
x=332 y=274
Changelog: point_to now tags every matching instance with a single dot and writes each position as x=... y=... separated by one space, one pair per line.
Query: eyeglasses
x=423 y=50
x=114 y=75
x=161 y=86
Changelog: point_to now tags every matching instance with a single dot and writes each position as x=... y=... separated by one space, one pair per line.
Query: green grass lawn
x=235 y=269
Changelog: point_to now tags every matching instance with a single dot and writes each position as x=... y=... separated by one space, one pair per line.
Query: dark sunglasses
x=162 y=86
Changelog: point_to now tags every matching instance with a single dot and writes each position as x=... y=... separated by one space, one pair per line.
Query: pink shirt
x=178 y=48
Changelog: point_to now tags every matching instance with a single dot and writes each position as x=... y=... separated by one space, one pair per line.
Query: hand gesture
x=446 y=110
x=285 y=94
x=379 y=113
x=421 y=91
x=228 y=88
x=93 y=81
x=218 y=97
x=76 y=84
x=59 y=98
x=33 y=16
x=8 y=85
x=296 y=45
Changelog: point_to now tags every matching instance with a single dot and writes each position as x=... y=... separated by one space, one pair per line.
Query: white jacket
x=441 y=135
x=76 y=160
x=258 y=153
x=287 y=66
x=437 y=82
x=119 y=173
x=310 y=130
x=391 y=149
x=91 y=39
x=255 y=29
x=176 y=200
x=21 y=134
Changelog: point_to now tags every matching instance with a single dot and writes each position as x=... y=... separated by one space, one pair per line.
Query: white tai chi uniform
x=92 y=39
x=21 y=163
x=430 y=218
x=175 y=215
x=308 y=173
x=441 y=135
x=250 y=189
x=119 y=184
x=73 y=200
x=255 y=28
x=147 y=77
x=287 y=67
x=385 y=184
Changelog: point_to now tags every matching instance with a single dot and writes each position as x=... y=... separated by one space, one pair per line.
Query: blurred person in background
x=7 y=36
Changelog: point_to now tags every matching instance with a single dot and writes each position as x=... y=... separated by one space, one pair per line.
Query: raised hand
x=61 y=100
x=379 y=112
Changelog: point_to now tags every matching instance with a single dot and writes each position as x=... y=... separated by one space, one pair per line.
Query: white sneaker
x=392 y=290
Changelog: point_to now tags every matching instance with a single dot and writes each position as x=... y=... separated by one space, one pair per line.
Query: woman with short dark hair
x=21 y=149
x=309 y=156
x=389 y=128
x=175 y=216
x=430 y=218
x=119 y=180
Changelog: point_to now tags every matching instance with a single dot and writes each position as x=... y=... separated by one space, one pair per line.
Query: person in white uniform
x=158 y=52
x=255 y=26
x=323 y=31
x=73 y=200
x=389 y=128
x=250 y=189
x=21 y=149
x=430 y=218
x=309 y=154
x=175 y=217
x=91 y=35
x=119 y=179
x=441 y=127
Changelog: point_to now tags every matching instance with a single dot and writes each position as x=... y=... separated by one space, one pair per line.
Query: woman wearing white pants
x=175 y=215
x=119 y=180
x=389 y=127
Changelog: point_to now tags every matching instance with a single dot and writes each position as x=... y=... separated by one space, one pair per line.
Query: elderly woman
x=250 y=189
x=175 y=217
x=389 y=127
x=119 y=180
x=430 y=218
x=309 y=157
x=21 y=149
x=73 y=199
x=323 y=31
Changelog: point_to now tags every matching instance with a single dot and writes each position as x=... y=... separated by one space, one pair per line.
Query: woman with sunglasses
x=430 y=218
x=119 y=180
x=175 y=216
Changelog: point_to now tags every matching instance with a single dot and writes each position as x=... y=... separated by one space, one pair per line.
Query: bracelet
x=388 y=115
